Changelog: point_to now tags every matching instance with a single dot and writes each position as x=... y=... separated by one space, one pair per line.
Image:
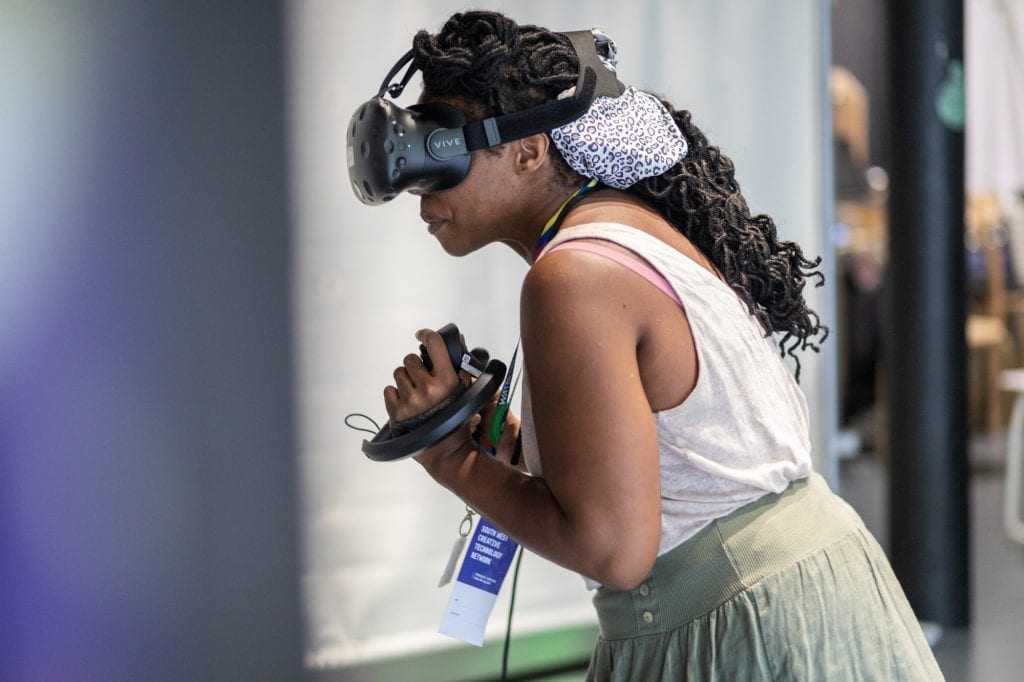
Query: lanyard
x=504 y=399
x=555 y=221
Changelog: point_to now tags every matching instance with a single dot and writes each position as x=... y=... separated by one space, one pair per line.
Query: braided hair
x=495 y=66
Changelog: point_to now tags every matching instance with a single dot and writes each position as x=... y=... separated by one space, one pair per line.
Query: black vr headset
x=427 y=147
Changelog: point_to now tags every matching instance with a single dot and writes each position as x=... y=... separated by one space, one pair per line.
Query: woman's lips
x=433 y=223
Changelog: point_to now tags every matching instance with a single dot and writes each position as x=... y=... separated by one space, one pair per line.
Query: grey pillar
x=147 y=492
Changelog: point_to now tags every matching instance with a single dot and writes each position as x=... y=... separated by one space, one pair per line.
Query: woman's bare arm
x=597 y=508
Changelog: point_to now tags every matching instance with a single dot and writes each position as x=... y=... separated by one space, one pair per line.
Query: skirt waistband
x=726 y=557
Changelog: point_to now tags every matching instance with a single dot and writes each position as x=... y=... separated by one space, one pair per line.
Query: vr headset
x=427 y=147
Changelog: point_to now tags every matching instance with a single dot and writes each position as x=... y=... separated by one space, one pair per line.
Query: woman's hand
x=505 y=449
x=416 y=388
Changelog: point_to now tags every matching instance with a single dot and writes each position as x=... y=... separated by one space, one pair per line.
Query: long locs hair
x=501 y=67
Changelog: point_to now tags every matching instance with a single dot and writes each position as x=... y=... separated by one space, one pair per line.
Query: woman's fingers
x=507 y=444
x=416 y=388
x=437 y=349
x=403 y=382
x=391 y=403
x=416 y=370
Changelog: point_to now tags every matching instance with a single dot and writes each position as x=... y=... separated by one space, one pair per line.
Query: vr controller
x=430 y=428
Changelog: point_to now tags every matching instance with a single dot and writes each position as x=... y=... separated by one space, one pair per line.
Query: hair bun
x=468 y=53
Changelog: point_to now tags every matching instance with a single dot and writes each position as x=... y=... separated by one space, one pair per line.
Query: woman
x=666 y=443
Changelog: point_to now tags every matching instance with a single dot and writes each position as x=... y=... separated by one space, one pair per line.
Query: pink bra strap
x=627 y=260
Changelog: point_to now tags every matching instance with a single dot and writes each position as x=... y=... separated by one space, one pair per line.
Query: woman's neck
x=528 y=225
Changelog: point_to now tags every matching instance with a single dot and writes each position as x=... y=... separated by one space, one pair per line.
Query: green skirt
x=789 y=587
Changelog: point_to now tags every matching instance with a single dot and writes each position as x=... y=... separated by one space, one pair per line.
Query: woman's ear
x=531 y=153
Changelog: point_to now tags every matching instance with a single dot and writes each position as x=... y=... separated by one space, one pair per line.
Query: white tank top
x=743 y=430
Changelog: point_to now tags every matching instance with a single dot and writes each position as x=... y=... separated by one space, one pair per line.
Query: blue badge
x=484 y=568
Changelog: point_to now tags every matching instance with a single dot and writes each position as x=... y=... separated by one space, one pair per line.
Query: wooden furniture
x=989 y=344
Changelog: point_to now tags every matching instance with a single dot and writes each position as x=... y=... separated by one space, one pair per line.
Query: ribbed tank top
x=742 y=432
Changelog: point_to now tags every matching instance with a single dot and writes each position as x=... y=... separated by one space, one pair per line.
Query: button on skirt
x=789 y=587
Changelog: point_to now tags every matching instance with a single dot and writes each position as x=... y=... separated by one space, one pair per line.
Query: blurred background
x=191 y=301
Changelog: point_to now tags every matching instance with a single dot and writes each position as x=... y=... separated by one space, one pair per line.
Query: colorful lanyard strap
x=555 y=221
x=497 y=425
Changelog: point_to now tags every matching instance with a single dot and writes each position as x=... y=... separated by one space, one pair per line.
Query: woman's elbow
x=624 y=569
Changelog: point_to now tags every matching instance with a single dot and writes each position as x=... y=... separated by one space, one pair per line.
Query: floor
x=991 y=649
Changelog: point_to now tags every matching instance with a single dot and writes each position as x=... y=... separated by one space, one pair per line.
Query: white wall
x=377 y=535
x=994 y=67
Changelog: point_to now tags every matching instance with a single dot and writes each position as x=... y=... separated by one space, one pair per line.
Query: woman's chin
x=456 y=248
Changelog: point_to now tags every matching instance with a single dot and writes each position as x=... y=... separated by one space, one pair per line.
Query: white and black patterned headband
x=621 y=140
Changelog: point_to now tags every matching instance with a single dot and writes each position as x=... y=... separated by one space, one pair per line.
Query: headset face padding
x=392 y=149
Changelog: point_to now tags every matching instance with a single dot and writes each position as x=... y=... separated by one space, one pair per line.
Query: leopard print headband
x=622 y=140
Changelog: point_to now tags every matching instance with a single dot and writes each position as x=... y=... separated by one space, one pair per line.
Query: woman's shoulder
x=570 y=284
x=565 y=275
x=660 y=245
